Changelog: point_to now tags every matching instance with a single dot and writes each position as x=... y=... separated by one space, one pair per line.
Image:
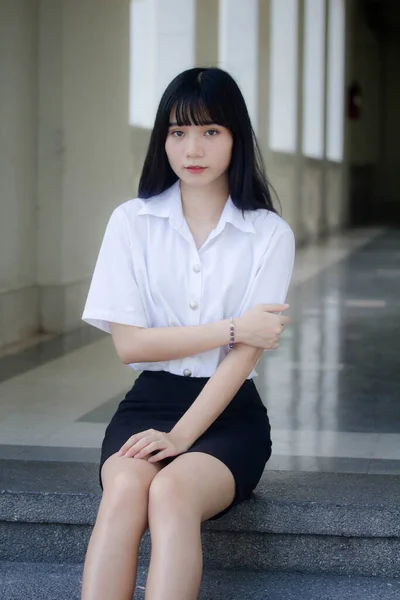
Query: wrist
x=238 y=330
x=183 y=439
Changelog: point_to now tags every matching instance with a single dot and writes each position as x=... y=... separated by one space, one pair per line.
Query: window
x=162 y=45
x=314 y=72
x=283 y=75
x=238 y=47
x=335 y=101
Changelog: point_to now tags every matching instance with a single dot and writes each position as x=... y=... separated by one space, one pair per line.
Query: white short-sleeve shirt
x=149 y=272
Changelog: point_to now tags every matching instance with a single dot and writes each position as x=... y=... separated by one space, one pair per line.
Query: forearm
x=218 y=392
x=136 y=345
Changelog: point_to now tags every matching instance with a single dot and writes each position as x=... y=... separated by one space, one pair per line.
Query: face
x=199 y=154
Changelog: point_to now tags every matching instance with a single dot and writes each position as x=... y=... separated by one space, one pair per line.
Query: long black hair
x=203 y=96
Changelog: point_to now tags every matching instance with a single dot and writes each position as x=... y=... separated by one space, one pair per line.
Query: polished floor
x=332 y=390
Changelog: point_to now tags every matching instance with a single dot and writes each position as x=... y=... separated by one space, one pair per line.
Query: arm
x=136 y=344
x=217 y=393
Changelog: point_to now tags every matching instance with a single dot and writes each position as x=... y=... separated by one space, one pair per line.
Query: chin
x=198 y=181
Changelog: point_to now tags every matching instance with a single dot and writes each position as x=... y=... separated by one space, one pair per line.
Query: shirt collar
x=168 y=205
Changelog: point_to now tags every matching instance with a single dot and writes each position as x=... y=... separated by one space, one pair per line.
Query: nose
x=194 y=147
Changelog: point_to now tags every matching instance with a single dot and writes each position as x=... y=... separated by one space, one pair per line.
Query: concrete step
x=308 y=522
x=40 y=581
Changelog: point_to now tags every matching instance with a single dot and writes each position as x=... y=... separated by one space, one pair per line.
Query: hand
x=142 y=444
x=259 y=327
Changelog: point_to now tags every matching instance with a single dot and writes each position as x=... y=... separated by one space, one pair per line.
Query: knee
x=123 y=486
x=169 y=495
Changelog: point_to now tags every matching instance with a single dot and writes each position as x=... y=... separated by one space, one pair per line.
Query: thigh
x=204 y=482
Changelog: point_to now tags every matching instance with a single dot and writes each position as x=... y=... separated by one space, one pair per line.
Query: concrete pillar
x=323 y=224
x=206 y=33
x=83 y=145
x=263 y=76
x=298 y=212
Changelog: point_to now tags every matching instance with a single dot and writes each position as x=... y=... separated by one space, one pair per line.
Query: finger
x=128 y=444
x=274 y=307
x=133 y=443
x=134 y=439
x=143 y=443
x=161 y=455
x=150 y=448
x=284 y=320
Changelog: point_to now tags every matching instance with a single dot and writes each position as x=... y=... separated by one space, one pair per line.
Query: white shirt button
x=197 y=268
x=187 y=372
x=193 y=305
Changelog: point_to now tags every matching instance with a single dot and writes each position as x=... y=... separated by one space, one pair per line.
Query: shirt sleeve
x=272 y=279
x=114 y=295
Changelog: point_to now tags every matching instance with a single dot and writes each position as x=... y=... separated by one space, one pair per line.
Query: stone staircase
x=303 y=535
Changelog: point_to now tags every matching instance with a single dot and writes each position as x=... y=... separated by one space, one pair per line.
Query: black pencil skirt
x=240 y=437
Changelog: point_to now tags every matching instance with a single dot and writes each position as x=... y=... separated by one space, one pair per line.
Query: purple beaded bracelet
x=232 y=333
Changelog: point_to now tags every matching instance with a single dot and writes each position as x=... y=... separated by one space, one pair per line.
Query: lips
x=195 y=169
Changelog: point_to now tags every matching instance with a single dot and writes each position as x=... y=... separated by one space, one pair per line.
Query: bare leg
x=193 y=488
x=111 y=559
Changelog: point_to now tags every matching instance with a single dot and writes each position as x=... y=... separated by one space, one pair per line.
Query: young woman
x=190 y=281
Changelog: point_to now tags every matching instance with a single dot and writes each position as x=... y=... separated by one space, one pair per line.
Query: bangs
x=195 y=109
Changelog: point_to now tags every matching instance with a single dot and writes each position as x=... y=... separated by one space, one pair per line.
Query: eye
x=211 y=132
x=177 y=133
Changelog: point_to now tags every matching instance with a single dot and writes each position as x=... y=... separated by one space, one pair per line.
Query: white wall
x=18 y=123
x=84 y=145
x=96 y=118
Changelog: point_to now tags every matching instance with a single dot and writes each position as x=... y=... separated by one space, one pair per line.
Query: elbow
x=127 y=355
x=131 y=355
x=125 y=343
x=127 y=360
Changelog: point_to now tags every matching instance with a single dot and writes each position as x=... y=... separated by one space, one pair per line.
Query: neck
x=205 y=203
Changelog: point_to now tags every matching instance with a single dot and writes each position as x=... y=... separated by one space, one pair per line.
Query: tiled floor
x=332 y=390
